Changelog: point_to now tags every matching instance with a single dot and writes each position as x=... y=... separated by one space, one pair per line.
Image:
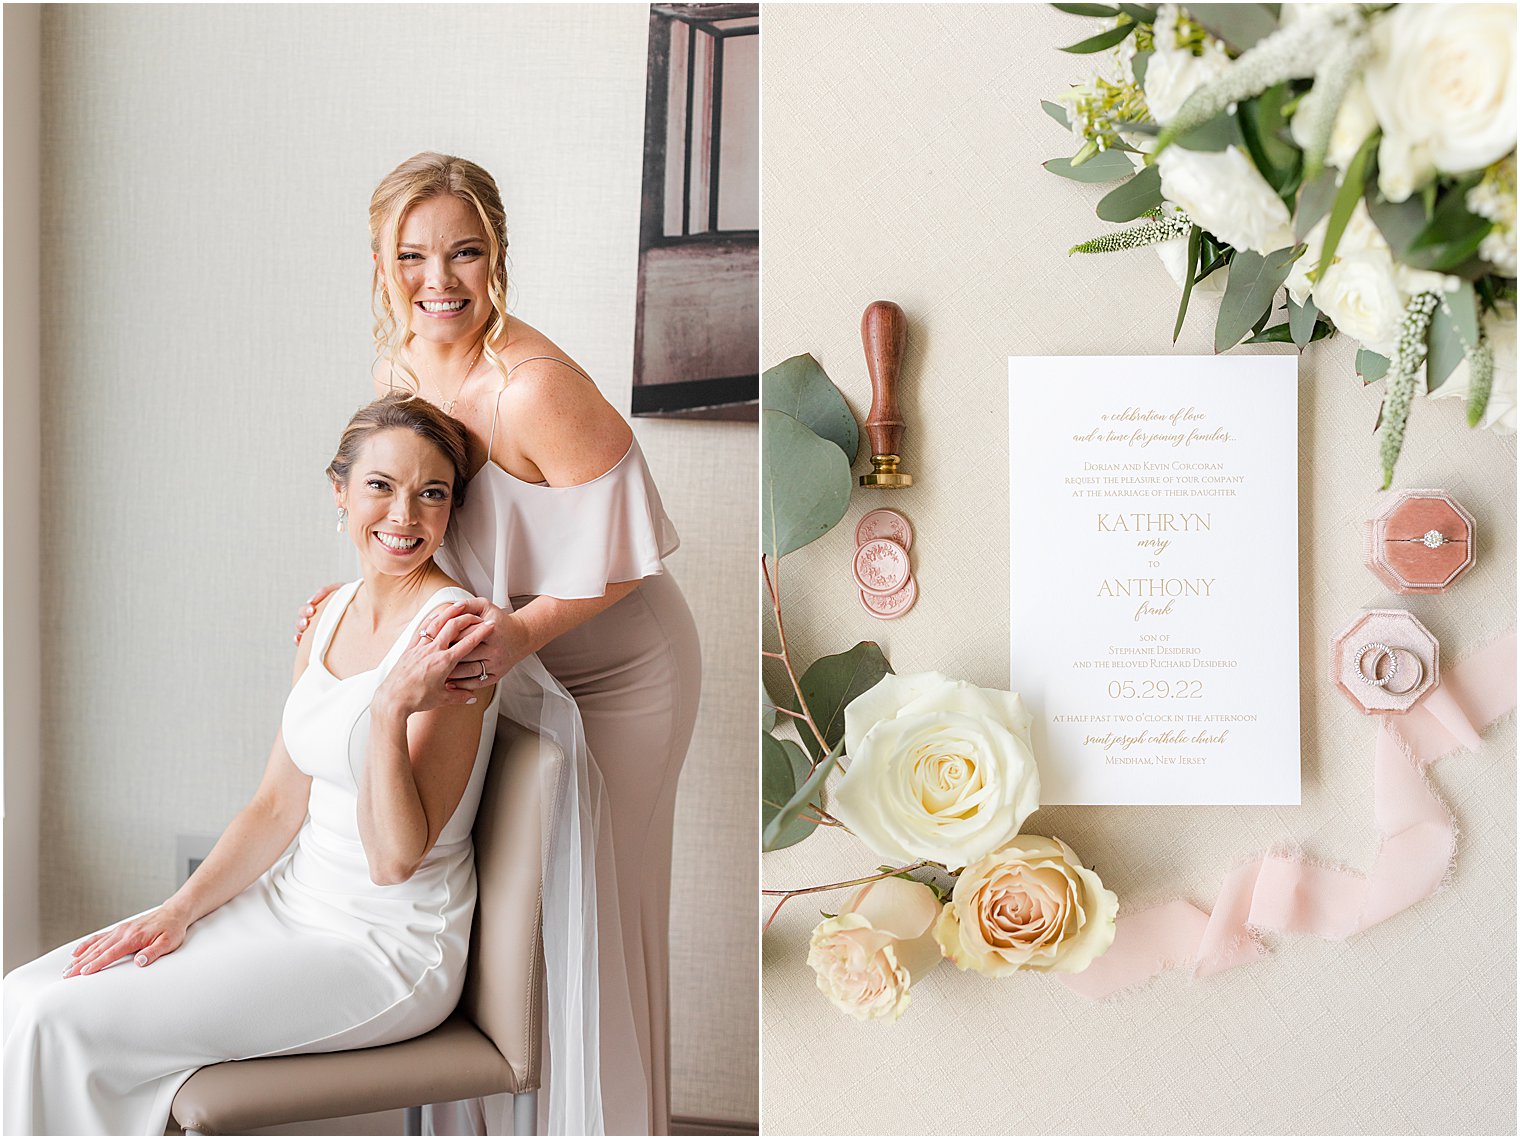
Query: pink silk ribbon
x=1282 y=893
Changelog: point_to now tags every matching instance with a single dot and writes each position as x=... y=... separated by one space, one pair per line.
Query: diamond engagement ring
x=1433 y=538
x=485 y=673
x=1380 y=650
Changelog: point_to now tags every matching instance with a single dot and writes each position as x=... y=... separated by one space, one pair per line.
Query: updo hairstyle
x=410 y=413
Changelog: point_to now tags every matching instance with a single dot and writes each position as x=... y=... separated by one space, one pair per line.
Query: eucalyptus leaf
x=1453 y=334
x=1301 y=320
x=804 y=484
x=801 y=388
x=1219 y=133
x=1195 y=240
x=1099 y=10
x=778 y=831
x=782 y=763
x=1239 y=25
x=1140 y=13
x=1399 y=222
x=1100 y=42
x=1134 y=198
x=1283 y=334
x=1254 y=281
x=1057 y=112
x=767 y=711
x=1371 y=366
x=1106 y=166
x=1139 y=64
x=1261 y=123
x=1314 y=201
x=831 y=683
x=1451 y=237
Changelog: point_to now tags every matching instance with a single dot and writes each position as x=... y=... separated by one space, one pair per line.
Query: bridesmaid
x=562 y=538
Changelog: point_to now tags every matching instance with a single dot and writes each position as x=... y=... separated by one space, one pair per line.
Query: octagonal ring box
x=1398 y=629
x=1422 y=542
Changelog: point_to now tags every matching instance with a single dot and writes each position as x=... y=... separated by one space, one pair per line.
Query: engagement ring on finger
x=483 y=671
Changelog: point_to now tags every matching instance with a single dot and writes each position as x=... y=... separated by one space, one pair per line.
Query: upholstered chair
x=492 y=1041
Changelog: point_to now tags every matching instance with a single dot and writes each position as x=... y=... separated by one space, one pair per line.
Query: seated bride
x=357 y=934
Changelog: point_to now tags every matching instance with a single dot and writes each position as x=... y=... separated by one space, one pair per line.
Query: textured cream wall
x=206 y=171
x=927 y=121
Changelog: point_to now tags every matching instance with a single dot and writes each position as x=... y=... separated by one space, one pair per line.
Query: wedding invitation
x=1153 y=565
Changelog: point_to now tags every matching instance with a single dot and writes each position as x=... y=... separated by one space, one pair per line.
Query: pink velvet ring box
x=1421 y=543
x=1356 y=652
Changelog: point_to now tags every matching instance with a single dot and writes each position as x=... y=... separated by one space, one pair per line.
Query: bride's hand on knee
x=144 y=939
x=310 y=608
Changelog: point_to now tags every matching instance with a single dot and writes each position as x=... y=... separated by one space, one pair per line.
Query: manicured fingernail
x=142 y=958
x=471 y=700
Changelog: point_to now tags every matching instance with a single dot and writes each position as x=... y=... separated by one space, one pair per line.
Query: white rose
x=1175 y=73
x=1361 y=298
x=1354 y=121
x=939 y=769
x=868 y=956
x=1224 y=194
x=1361 y=235
x=1501 y=413
x=1031 y=905
x=1441 y=82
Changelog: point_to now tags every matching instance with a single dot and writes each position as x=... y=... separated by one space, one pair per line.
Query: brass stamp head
x=884 y=473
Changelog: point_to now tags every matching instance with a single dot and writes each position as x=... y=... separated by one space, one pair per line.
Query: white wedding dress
x=312 y=957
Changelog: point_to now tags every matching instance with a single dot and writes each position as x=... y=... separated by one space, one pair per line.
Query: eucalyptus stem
x=788 y=895
x=774 y=589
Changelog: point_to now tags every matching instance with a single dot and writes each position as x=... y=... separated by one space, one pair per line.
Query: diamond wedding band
x=1380 y=650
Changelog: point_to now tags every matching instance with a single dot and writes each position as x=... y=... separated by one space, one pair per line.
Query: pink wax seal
x=881 y=566
x=884 y=524
x=888 y=606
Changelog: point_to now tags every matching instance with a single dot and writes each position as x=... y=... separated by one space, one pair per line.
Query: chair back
x=503 y=988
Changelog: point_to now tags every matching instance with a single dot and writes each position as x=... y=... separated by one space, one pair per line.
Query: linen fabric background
x=926 y=120
x=205 y=334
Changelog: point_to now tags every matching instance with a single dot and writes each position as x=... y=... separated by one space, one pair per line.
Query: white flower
x=1174 y=73
x=1224 y=194
x=1361 y=297
x=1361 y=235
x=1501 y=413
x=1494 y=199
x=1031 y=905
x=1442 y=85
x=939 y=769
x=1354 y=121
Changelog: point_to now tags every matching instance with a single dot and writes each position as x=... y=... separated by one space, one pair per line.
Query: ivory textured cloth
x=926 y=119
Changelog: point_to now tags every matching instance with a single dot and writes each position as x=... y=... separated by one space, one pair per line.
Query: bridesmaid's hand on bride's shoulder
x=310 y=608
x=145 y=939
x=419 y=680
x=497 y=655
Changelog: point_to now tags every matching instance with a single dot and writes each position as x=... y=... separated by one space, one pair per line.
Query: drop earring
x=342 y=518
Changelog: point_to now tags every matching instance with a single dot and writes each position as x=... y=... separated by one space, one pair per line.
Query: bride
x=357 y=936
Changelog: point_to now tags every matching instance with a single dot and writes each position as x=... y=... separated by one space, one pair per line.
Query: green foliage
x=785 y=826
x=1452 y=335
x=1057 y=112
x=1219 y=133
x=1102 y=11
x=1303 y=321
x=1194 y=245
x=1370 y=366
x=1283 y=334
x=804 y=484
x=1239 y=25
x=1314 y=201
x=1134 y=198
x=1346 y=199
x=1254 y=281
x=1451 y=238
x=783 y=768
x=831 y=683
x=802 y=389
x=1102 y=41
x=1264 y=129
x=1106 y=166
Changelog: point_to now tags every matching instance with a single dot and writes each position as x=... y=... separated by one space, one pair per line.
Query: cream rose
x=1501 y=413
x=1224 y=194
x=1441 y=82
x=867 y=957
x=1031 y=905
x=939 y=769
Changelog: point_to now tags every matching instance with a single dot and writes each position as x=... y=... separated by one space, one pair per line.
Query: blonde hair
x=418 y=179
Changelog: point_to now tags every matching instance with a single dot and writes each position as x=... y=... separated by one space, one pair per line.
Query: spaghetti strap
x=496 y=407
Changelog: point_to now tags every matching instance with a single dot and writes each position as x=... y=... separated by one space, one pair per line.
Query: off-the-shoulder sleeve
x=567 y=542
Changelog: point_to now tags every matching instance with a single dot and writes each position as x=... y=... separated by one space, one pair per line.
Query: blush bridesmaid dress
x=633 y=673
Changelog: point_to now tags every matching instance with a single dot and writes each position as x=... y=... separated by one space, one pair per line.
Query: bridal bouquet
x=1325 y=168
x=938 y=775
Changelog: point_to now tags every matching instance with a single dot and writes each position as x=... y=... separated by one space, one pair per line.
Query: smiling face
x=399 y=500
x=443 y=269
